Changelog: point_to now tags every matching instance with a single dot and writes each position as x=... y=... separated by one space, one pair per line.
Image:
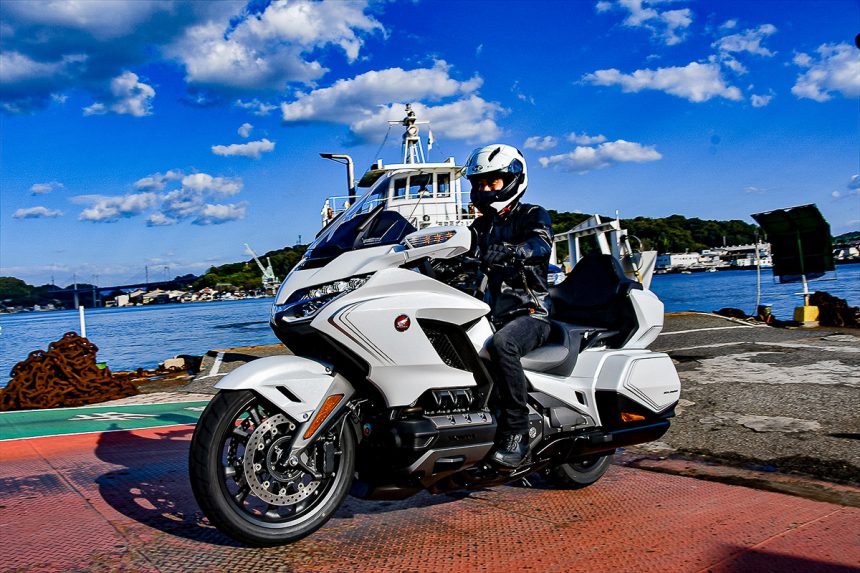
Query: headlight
x=306 y=303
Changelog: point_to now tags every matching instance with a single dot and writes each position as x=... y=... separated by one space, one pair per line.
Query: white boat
x=426 y=194
x=429 y=194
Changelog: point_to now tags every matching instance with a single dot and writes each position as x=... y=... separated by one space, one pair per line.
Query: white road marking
x=717 y=345
x=704 y=329
x=112 y=416
x=215 y=367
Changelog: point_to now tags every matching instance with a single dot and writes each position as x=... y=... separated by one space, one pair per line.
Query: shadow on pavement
x=750 y=559
x=152 y=488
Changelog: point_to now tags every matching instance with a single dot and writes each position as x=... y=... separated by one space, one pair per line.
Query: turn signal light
x=628 y=417
x=328 y=406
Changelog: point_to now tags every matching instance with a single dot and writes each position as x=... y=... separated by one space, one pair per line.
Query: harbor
x=125 y=335
x=764 y=446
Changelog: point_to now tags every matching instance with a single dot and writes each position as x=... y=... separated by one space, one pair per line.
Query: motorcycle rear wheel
x=262 y=500
x=579 y=474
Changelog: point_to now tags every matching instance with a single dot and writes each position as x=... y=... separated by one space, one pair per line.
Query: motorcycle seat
x=558 y=355
x=596 y=294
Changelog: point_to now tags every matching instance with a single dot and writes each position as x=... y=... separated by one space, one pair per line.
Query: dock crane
x=270 y=281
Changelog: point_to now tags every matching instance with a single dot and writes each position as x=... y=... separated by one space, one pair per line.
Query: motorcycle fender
x=297 y=386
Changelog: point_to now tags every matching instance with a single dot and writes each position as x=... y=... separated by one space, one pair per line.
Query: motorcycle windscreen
x=365 y=224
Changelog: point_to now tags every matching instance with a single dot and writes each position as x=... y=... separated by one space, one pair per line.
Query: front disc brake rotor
x=266 y=467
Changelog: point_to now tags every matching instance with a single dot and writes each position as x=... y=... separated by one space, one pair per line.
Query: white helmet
x=497 y=161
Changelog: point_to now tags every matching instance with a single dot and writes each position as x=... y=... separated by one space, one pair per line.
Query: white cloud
x=854 y=183
x=245 y=130
x=256 y=106
x=192 y=200
x=471 y=119
x=754 y=190
x=367 y=101
x=218 y=186
x=99 y=19
x=520 y=94
x=584 y=138
x=541 y=143
x=837 y=69
x=218 y=214
x=128 y=96
x=267 y=50
x=760 y=100
x=695 y=82
x=52 y=46
x=729 y=25
x=17 y=67
x=160 y=220
x=109 y=209
x=668 y=26
x=583 y=159
x=43 y=188
x=730 y=62
x=36 y=213
x=747 y=41
x=359 y=95
x=157 y=181
x=251 y=149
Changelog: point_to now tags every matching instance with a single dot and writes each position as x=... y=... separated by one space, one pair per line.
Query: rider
x=513 y=242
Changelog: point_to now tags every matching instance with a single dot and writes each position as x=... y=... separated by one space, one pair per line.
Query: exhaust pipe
x=600 y=442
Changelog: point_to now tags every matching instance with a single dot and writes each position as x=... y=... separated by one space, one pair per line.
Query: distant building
x=677 y=260
x=744 y=256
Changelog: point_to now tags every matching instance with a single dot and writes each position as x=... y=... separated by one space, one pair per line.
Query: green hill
x=246 y=275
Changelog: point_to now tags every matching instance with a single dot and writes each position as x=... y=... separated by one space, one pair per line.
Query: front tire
x=242 y=481
x=579 y=474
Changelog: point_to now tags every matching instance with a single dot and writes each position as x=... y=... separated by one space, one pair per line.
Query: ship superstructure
x=425 y=193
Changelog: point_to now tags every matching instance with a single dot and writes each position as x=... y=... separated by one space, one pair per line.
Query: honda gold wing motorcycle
x=388 y=391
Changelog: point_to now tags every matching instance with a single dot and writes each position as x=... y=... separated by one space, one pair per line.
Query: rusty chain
x=65 y=375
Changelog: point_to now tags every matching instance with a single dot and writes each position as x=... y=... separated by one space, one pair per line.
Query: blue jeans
x=513 y=340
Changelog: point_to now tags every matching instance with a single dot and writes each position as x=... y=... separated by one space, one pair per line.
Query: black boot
x=510 y=450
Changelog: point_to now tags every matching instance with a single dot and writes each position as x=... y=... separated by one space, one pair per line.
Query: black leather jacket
x=522 y=288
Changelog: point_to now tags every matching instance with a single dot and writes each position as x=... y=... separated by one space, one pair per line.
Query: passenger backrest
x=595 y=294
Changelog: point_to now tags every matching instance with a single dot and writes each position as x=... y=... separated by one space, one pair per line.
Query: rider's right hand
x=498 y=255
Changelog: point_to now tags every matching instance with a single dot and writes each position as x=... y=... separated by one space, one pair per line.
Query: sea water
x=135 y=337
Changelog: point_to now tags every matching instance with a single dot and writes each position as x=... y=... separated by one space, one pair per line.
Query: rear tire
x=579 y=474
x=228 y=488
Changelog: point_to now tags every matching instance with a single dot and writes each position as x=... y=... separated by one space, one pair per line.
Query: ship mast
x=412 y=150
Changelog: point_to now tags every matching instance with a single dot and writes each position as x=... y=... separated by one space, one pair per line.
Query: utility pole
x=75 y=279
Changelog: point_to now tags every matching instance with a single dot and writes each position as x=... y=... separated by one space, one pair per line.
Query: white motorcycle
x=389 y=392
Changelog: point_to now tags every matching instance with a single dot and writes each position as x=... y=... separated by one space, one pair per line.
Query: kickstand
x=526 y=482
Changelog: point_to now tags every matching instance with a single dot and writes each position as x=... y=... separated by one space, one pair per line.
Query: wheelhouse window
x=443 y=182
x=420 y=186
x=399 y=188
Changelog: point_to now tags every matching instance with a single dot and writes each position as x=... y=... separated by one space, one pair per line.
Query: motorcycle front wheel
x=245 y=482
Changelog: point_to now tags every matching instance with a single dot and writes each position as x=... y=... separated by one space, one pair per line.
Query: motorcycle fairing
x=403 y=364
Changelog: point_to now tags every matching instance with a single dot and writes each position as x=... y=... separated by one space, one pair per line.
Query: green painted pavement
x=63 y=421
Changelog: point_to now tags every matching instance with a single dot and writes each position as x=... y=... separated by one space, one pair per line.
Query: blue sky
x=167 y=134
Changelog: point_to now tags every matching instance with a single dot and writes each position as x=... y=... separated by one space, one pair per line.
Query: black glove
x=498 y=255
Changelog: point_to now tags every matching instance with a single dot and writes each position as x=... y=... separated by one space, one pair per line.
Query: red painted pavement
x=120 y=501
